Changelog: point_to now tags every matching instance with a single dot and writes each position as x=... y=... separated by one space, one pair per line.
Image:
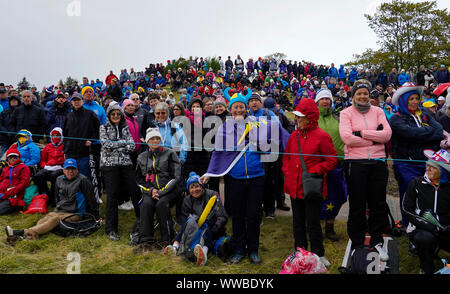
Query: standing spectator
x=413 y=131
x=124 y=76
x=116 y=166
x=81 y=129
x=5 y=118
x=333 y=72
x=229 y=64
x=110 y=77
x=393 y=77
x=421 y=76
x=221 y=65
x=29 y=116
x=336 y=185
x=364 y=131
x=239 y=63
x=403 y=78
x=4 y=102
x=244 y=182
x=342 y=75
x=429 y=78
x=58 y=112
x=442 y=75
x=133 y=76
x=353 y=75
x=307 y=139
x=382 y=79
x=114 y=90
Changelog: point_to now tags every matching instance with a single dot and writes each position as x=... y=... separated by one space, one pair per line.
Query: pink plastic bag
x=303 y=262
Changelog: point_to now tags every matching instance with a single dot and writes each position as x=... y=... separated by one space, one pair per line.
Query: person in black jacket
x=213 y=229
x=158 y=173
x=81 y=128
x=429 y=194
x=30 y=117
x=413 y=131
x=6 y=138
x=57 y=114
x=114 y=90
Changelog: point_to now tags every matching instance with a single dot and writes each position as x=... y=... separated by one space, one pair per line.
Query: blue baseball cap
x=70 y=162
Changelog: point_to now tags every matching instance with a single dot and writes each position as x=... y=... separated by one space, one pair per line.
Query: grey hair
x=162 y=106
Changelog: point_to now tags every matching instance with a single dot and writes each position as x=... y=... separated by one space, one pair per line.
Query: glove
x=357 y=133
x=446 y=230
x=380 y=127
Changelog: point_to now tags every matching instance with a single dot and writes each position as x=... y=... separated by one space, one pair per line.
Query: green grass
x=48 y=255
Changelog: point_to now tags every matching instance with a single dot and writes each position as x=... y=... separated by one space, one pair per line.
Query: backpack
x=38 y=205
x=83 y=228
x=360 y=260
x=192 y=235
x=30 y=192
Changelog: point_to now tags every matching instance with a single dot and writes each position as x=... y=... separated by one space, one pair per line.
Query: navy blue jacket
x=409 y=141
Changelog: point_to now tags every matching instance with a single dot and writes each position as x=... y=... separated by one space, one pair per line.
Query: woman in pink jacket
x=364 y=131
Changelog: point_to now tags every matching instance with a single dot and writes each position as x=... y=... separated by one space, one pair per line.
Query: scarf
x=363 y=108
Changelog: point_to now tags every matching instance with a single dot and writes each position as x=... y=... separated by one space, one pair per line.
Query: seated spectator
x=213 y=229
x=158 y=171
x=429 y=193
x=75 y=195
x=52 y=160
x=14 y=179
x=29 y=151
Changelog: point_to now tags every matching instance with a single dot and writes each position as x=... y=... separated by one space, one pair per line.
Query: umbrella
x=441 y=89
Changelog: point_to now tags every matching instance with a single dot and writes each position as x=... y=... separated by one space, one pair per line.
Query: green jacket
x=330 y=124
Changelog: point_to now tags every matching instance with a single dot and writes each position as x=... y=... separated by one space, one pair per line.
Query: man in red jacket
x=14 y=179
x=52 y=160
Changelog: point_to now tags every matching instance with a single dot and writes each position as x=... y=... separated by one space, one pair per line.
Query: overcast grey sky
x=44 y=43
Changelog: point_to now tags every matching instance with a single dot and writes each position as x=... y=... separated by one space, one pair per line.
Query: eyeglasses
x=160 y=113
x=176 y=109
x=116 y=114
x=135 y=99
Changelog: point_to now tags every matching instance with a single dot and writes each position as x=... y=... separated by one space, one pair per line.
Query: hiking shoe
x=126 y=206
x=113 y=236
x=200 y=255
x=325 y=261
x=283 y=206
x=270 y=215
x=170 y=250
x=162 y=245
x=383 y=255
x=412 y=250
x=143 y=248
x=12 y=238
x=254 y=258
x=236 y=258
x=134 y=239
x=330 y=233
